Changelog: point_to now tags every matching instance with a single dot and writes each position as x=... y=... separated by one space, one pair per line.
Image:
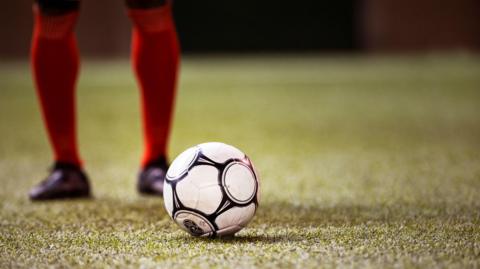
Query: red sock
x=155 y=55
x=55 y=64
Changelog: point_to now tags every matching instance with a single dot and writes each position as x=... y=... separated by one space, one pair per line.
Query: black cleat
x=65 y=181
x=152 y=176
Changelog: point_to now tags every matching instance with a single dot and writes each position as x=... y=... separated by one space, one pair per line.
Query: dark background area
x=216 y=26
x=266 y=25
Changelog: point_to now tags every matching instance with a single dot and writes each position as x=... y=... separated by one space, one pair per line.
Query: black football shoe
x=65 y=181
x=152 y=176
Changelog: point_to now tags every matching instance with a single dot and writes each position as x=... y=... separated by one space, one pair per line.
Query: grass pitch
x=364 y=162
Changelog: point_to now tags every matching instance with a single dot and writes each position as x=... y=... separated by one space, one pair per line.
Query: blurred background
x=354 y=26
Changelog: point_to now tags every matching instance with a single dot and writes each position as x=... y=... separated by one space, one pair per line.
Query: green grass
x=364 y=162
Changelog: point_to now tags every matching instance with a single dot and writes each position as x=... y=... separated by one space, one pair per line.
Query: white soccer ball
x=211 y=190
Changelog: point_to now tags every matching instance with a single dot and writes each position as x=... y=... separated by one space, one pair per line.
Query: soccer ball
x=211 y=190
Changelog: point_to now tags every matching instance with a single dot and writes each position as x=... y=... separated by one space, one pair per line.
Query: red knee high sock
x=55 y=64
x=155 y=55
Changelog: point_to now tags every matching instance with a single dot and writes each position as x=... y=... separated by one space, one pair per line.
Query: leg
x=55 y=68
x=155 y=54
